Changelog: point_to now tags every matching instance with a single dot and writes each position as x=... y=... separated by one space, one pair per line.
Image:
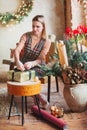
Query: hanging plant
x=18 y=15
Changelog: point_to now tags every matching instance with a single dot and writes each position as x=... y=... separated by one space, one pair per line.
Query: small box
x=44 y=80
x=10 y=75
x=21 y=76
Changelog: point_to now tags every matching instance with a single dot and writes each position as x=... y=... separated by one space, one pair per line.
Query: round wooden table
x=23 y=89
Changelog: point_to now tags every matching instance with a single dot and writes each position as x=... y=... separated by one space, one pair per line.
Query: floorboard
x=75 y=121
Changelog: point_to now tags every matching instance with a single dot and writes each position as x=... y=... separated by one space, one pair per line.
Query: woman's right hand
x=20 y=66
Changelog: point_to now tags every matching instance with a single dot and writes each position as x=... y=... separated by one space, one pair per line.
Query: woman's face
x=37 y=27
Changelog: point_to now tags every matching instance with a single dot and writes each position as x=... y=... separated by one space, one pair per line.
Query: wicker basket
x=57 y=110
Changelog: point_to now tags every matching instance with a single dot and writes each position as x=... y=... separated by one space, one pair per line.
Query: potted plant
x=75 y=75
x=74 y=71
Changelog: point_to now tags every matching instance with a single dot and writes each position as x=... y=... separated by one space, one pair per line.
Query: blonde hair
x=40 y=18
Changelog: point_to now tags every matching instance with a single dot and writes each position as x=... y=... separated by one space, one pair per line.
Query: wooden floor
x=75 y=121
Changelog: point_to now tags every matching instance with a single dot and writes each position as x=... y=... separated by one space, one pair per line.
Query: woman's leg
x=42 y=100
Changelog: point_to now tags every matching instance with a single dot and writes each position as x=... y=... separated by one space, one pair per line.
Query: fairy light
x=17 y=16
x=84 y=4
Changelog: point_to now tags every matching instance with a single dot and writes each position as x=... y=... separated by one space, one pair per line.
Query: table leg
x=26 y=103
x=12 y=97
x=49 y=84
x=57 y=86
x=22 y=110
x=37 y=101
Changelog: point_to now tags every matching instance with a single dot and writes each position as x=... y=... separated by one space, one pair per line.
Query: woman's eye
x=36 y=26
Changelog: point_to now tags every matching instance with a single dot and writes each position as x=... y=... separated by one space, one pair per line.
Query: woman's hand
x=20 y=66
x=28 y=65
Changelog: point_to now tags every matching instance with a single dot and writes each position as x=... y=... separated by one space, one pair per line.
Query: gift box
x=19 y=76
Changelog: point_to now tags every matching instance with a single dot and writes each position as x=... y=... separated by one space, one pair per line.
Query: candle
x=62 y=53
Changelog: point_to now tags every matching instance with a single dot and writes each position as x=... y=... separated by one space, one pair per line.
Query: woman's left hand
x=28 y=65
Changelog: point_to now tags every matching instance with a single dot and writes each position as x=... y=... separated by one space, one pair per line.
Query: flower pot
x=76 y=97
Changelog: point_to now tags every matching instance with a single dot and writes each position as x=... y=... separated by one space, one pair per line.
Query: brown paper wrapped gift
x=21 y=76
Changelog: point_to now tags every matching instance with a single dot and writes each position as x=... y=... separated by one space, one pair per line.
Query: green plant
x=74 y=41
x=76 y=72
x=53 y=67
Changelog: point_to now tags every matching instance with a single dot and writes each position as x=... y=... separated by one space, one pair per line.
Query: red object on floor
x=58 y=122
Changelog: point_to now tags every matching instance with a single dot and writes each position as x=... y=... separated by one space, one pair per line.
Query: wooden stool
x=24 y=89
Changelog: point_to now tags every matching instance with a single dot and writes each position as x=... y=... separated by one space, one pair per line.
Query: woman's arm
x=17 y=52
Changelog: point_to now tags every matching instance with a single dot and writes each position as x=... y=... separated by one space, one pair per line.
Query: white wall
x=9 y=36
x=76 y=13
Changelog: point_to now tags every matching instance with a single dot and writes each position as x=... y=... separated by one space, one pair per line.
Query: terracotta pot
x=76 y=97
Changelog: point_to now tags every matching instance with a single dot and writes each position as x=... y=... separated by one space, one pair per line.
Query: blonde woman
x=34 y=46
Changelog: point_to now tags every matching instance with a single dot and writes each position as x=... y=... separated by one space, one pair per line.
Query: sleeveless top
x=32 y=54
